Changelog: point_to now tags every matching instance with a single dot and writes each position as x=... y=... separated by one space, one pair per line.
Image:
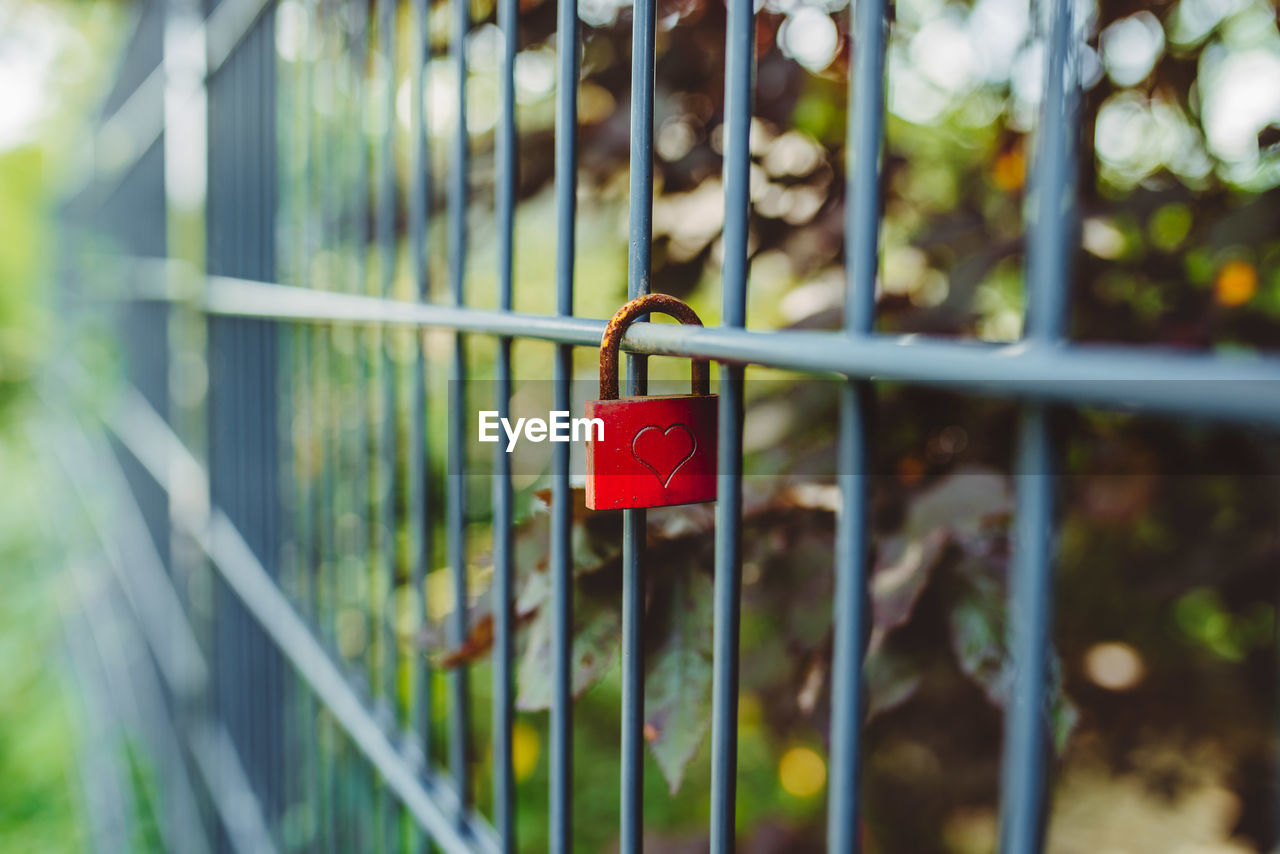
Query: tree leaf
x=891 y=680
x=978 y=637
x=960 y=502
x=478 y=644
x=678 y=685
x=977 y=624
x=595 y=646
x=953 y=510
x=902 y=575
x=1063 y=714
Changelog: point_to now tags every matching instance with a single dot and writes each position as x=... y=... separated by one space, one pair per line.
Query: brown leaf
x=476 y=646
x=815 y=678
x=580 y=511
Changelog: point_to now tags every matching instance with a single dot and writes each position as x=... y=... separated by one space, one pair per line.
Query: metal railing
x=279 y=703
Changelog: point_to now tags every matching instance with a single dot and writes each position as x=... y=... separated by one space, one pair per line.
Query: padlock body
x=656 y=451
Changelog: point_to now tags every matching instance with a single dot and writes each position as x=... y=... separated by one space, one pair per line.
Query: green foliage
x=38 y=770
x=23 y=332
x=677 y=687
x=594 y=650
x=979 y=630
x=1201 y=615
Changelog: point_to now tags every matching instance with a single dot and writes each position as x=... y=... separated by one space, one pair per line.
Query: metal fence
x=310 y=453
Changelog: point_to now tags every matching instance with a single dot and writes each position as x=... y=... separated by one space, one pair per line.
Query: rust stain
x=611 y=343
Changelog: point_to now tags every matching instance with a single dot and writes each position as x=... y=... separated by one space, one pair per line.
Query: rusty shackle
x=612 y=341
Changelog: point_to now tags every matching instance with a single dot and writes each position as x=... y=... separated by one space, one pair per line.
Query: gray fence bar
x=560 y=546
x=1225 y=387
x=1027 y=739
x=459 y=195
x=639 y=260
x=419 y=474
x=506 y=163
x=385 y=476
x=739 y=74
x=852 y=610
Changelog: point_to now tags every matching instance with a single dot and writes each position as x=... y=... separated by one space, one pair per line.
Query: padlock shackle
x=611 y=344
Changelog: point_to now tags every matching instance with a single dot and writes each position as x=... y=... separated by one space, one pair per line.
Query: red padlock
x=655 y=451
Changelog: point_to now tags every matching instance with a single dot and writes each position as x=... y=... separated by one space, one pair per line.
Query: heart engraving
x=663 y=452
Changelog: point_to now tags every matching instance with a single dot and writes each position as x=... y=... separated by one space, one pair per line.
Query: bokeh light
x=802 y=772
x=1114 y=665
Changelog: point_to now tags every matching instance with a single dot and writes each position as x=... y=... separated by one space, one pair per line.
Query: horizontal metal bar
x=244 y=298
x=1241 y=388
x=430 y=800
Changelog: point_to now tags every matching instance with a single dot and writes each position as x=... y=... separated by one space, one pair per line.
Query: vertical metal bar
x=419 y=474
x=739 y=78
x=253 y=677
x=1050 y=243
x=852 y=619
x=1024 y=777
x=459 y=711
x=185 y=137
x=240 y=376
x=358 y=775
x=243 y=379
x=215 y=350
x=322 y=350
x=308 y=552
x=296 y=413
x=211 y=704
x=387 y=266
x=387 y=807
x=506 y=163
x=633 y=529
x=261 y=436
x=566 y=166
x=370 y=354
x=643 y=62
x=739 y=98
x=862 y=230
x=387 y=245
x=639 y=259
x=865 y=134
x=269 y=267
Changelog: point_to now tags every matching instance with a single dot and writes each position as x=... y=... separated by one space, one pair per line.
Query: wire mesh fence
x=300 y=325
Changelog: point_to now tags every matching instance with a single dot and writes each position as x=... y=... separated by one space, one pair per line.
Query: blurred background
x=1165 y=712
